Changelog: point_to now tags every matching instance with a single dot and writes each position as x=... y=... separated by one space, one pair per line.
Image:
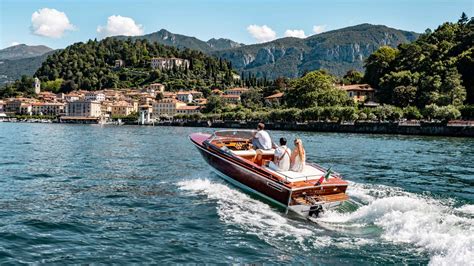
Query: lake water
x=124 y=194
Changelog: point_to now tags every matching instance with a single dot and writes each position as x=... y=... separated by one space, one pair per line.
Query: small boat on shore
x=306 y=193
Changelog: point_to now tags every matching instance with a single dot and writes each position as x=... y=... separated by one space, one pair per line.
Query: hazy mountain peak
x=23 y=51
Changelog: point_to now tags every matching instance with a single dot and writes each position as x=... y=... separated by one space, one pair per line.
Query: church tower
x=37 y=86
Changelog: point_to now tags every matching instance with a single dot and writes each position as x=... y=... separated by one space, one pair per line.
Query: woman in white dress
x=298 y=157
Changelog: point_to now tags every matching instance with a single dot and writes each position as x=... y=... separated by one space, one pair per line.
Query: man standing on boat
x=261 y=139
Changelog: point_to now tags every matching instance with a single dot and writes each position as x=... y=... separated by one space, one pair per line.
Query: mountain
x=11 y=70
x=337 y=51
x=21 y=51
x=182 y=41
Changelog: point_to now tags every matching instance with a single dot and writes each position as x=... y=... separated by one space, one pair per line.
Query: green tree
x=353 y=77
x=214 y=104
x=316 y=88
x=252 y=99
x=404 y=95
x=379 y=63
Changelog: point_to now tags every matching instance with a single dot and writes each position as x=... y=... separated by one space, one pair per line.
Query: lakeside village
x=146 y=105
x=115 y=105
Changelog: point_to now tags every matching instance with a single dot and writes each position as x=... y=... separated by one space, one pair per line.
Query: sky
x=57 y=23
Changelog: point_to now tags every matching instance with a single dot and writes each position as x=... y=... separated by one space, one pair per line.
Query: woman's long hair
x=301 y=151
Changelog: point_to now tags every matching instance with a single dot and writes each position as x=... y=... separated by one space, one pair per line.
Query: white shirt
x=284 y=153
x=264 y=139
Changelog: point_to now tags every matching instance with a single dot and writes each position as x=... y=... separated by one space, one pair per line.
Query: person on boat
x=298 y=157
x=281 y=162
x=261 y=139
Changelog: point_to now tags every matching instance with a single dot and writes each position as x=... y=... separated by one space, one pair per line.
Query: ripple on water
x=77 y=193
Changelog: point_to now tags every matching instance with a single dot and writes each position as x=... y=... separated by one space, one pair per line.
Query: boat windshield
x=233 y=134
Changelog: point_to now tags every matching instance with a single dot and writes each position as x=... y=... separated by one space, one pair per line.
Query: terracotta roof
x=356 y=87
x=169 y=100
x=42 y=104
x=230 y=96
x=122 y=103
x=238 y=89
x=187 y=107
x=275 y=96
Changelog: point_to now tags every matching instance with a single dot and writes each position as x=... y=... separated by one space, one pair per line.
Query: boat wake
x=431 y=224
x=253 y=216
x=382 y=215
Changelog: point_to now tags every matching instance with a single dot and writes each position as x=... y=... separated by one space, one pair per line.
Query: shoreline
x=463 y=129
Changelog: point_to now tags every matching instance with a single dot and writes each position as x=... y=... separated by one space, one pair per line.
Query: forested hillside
x=437 y=69
x=91 y=66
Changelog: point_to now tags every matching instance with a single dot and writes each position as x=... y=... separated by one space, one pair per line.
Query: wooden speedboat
x=229 y=153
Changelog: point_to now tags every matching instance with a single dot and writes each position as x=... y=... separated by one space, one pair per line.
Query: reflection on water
x=80 y=194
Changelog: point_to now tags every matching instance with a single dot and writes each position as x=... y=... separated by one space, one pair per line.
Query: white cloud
x=295 y=33
x=262 y=33
x=49 y=22
x=14 y=43
x=118 y=25
x=319 y=28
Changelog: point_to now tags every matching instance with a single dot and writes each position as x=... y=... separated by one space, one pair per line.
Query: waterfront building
x=145 y=114
x=95 y=96
x=14 y=105
x=359 y=92
x=168 y=63
x=274 y=99
x=167 y=106
x=122 y=108
x=188 y=110
x=2 y=106
x=26 y=109
x=47 y=108
x=83 y=109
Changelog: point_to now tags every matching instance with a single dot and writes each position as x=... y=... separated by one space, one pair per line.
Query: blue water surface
x=125 y=194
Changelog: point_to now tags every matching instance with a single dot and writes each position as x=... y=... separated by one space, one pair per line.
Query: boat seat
x=309 y=173
x=266 y=152
x=245 y=153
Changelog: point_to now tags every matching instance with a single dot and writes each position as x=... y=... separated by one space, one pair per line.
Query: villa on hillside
x=188 y=110
x=156 y=87
x=359 y=92
x=274 y=99
x=168 y=63
x=236 y=91
x=231 y=99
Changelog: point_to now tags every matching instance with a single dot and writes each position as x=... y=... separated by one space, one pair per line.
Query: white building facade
x=83 y=109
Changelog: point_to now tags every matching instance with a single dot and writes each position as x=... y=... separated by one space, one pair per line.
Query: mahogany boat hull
x=246 y=178
x=306 y=198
